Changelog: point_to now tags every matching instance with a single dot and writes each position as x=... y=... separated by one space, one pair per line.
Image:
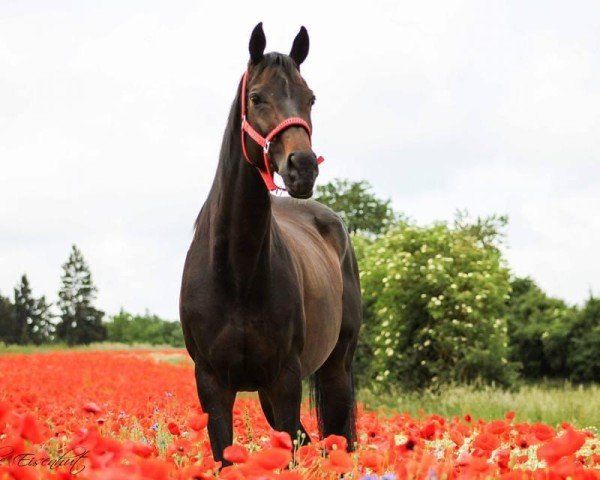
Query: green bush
x=584 y=348
x=434 y=305
x=539 y=330
x=127 y=328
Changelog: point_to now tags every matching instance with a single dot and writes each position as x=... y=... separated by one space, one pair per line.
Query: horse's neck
x=240 y=213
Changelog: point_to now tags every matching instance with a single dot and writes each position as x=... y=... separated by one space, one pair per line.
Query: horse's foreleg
x=217 y=401
x=334 y=392
x=285 y=397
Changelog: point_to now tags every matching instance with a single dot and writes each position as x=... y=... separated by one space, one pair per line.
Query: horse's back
x=318 y=243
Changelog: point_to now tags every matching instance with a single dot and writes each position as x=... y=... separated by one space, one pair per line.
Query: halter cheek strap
x=265 y=142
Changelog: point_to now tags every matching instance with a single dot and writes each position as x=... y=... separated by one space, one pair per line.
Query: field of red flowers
x=125 y=414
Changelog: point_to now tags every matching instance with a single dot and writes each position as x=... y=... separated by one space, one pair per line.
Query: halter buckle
x=266 y=147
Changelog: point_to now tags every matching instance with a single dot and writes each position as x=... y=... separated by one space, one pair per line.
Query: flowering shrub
x=435 y=302
x=122 y=415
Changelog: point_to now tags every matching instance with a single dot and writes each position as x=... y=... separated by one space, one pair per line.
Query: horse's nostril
x=291 y=160
x=299 y=159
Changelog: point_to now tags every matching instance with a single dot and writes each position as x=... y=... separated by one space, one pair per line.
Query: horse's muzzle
x=301 y=171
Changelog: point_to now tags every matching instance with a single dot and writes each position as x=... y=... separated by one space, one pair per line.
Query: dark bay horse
x=270 y=291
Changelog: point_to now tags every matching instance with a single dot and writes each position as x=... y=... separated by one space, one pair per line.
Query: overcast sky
x=112 y=112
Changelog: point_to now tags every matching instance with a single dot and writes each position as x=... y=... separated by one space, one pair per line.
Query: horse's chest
x=249 y=351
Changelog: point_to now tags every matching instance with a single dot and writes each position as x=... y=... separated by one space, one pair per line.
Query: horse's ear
x=299 y=50
x=257 y=45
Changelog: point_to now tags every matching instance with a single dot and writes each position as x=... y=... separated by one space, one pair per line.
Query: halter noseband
x=265 y=142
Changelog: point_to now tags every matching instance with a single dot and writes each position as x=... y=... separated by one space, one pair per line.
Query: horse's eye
x=255 y=98
x=313 y=100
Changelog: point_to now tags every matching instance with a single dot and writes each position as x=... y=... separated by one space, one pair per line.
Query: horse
x=270 y=291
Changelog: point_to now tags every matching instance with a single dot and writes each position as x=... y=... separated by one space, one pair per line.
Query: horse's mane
x=230 y=146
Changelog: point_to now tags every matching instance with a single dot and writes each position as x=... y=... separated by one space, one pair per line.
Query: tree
x=24 y=311
x=584 y=348
x=539 y=330
x=435 y=302
x=80 y=322
x=33 y=319
x=8 y=323
x=44 y=328
x=360 y=209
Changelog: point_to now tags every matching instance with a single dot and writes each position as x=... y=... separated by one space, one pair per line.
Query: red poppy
x=236 y=454
x=180 y=446
x=486 y=442
x=151 y=469
x=281 y=440
x=229 y=473
x=338 y=461
x=17 y=472
x=371 y=459
x=30 y=430
x=91 y=407
x=567 y=444
x=428 y=431
x=542 y=432
x=143 y=450
x=198 y=422
x=174 y=429
x=4 y=409
x=335 y=442
x=272 y=458
x=496 y=427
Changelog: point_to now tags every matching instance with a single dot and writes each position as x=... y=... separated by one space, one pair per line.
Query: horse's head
x=276 y=92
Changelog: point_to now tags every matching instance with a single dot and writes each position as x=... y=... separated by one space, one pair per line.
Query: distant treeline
x=441 y=305
x=27 y=320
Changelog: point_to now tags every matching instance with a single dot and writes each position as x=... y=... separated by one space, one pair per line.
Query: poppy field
x=135 y=414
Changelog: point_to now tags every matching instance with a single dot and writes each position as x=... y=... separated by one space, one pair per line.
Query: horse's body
x=270 y=295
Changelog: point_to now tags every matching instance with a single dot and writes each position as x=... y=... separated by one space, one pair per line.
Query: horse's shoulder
x=314 y=215
x=326 y=220
x=310 y=212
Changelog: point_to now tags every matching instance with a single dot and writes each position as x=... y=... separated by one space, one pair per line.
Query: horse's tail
x=347 y=408
x=316 y=401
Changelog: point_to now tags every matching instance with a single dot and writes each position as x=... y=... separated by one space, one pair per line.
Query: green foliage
x=584 y=348
x=539 y=330
x=434 y=305
x=80 y=322
x=360 y=209
x=127 y=328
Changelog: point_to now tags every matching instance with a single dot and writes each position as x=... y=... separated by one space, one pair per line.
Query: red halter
x=265 y=142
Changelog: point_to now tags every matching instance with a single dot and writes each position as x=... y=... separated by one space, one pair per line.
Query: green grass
x=175 y=358
x=50 y=347
x=551 y=403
